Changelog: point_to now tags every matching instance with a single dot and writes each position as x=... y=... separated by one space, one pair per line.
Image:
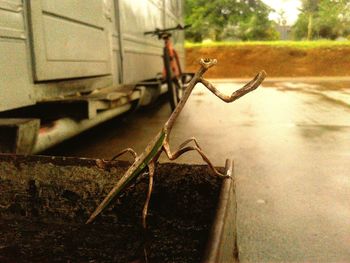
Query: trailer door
x=69 y=39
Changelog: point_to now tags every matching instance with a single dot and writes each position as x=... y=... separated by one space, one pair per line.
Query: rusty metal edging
x=222 y=241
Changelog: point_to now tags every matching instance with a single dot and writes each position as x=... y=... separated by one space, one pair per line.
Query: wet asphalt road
x=290 y=141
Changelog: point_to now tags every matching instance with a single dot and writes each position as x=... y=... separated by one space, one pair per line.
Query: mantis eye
x=208 y=62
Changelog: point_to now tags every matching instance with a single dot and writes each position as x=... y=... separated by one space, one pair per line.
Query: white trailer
x=70 y=64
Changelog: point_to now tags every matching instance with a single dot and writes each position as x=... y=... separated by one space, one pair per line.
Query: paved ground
x=291 y=144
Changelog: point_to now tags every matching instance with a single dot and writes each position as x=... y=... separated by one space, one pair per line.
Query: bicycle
x=172 y=72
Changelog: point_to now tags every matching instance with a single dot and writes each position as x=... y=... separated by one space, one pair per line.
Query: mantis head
x=207 y=62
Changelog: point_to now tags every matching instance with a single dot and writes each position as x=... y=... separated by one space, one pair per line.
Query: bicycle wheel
x=173 y=85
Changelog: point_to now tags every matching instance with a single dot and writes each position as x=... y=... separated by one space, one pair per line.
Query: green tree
x=220 y=19
x=332 y=20
x=328 y=19
x=256 y=25
x=195 y=15
x=300 y=28
x=310 y=8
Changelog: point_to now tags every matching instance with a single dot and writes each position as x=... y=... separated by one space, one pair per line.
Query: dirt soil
x=246 y=61
x=42 y=218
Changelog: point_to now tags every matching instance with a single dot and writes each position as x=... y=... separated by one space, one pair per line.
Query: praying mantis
x=160 y=143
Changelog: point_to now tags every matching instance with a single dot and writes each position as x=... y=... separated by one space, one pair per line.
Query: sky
x=290 y=7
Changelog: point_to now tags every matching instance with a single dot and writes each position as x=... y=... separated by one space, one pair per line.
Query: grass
x=293 y=44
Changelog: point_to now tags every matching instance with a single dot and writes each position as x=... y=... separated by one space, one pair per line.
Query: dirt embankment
x=246 y=61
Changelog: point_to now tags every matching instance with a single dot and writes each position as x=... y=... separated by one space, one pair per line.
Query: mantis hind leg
x=127 y=150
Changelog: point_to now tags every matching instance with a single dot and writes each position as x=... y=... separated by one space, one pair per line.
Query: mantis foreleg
x=251 y=85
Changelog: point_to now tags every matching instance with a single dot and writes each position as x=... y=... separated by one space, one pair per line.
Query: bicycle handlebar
x=160 y=32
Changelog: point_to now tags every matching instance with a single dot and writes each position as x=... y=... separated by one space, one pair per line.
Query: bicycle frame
x=174 y=58
x=172 y=72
